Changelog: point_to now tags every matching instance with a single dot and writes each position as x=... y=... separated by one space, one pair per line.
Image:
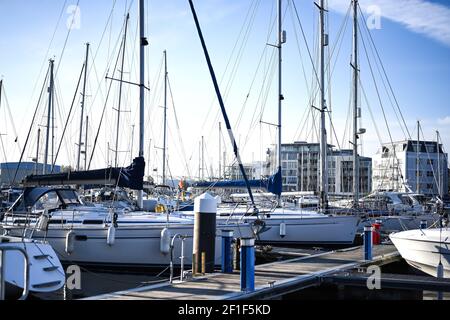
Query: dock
x=272 y=280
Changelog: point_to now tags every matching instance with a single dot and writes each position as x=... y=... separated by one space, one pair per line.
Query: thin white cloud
x=420 y=16
x=444 y=121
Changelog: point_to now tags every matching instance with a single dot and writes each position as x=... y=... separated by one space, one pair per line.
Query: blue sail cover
x=131 y=177
x=273 y=184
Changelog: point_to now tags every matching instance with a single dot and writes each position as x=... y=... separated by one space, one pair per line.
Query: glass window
x=48 y=201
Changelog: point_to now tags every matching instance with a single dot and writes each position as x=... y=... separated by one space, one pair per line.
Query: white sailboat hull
x=313 y=231
x=302 y=227
x=423 y=249
x=133 y=246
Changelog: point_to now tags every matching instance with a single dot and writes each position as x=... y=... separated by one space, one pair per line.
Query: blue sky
x=413 y=42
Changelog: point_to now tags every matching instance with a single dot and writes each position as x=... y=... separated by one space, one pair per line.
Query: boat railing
x=26 y=273
x=182 y=257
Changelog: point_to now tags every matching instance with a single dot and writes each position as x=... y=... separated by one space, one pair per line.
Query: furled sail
x=131 y=177
x=273 y=184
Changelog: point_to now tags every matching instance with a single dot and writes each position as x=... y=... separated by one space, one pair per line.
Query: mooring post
x=368 y=243
x=247 y=265
x=376 y=236
x=227 y=251
x=205 y=208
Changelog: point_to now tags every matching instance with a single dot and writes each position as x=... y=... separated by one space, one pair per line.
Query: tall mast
x=82 y=107
x=143 y=44
x=49 y=114
x=438 y=165
x=281 y=40
x=165 y=119
x=200 y=160
x=37 y=151
x=124 y=44
x=203 y=158
x=355 y=106
x=86 y=143
x=323 y=136
x=220 y=149
x=418 y=159
x=132 y=143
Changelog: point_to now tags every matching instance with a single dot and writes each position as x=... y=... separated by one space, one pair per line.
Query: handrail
x=26 y=283
x=172 y=246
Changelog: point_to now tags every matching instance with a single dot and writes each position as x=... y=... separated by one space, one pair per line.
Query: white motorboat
x=45 y=273
x=88 y=235
x=424 y=249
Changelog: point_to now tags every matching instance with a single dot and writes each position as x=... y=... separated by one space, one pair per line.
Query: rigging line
x=247 y=26
x=387 y=92
x=4 y=155
x=266 y=82
x=344 y=24
x=378 y=93
x=228 y=64
x=31 y=127
x=240 y=52
x=47 y=52
x=385 y=73
x=67 y=39
x=263 y=98
x=348 y=122
x=429 y=158
x=61 y=117
x=309 y=90
x=103 y=113
x=222 y=105
x=94 y=55
x=68 y=118
x=178 y=128
x=371 y=113
x=11 y=119
x=241 y=113
x=306 y=42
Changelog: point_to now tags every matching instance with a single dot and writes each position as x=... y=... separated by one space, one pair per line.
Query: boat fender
x=111 y=237
x=42 y=224
x=70 y=242
x=282 y=229
x=165 y=241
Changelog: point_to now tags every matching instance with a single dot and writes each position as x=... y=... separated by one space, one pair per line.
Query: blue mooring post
x=423 y=224
x=247 y=265
x=227 y=251
x=368 y=243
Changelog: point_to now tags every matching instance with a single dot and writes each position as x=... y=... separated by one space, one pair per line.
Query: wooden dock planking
x=271 y=280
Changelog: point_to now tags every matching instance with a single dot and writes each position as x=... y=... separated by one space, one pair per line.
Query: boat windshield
x=69 y=197
x=49 y=201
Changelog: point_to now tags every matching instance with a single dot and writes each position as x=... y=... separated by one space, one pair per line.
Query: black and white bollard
x=368 y=243
x=227 y=251
x=248 y=265
x=205 y=208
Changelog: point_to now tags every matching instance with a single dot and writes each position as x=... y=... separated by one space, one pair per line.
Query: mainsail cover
x=273 y=184
x=131 y=177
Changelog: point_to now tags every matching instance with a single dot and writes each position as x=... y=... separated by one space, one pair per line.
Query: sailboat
x=102 y=236
x=280 y=225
